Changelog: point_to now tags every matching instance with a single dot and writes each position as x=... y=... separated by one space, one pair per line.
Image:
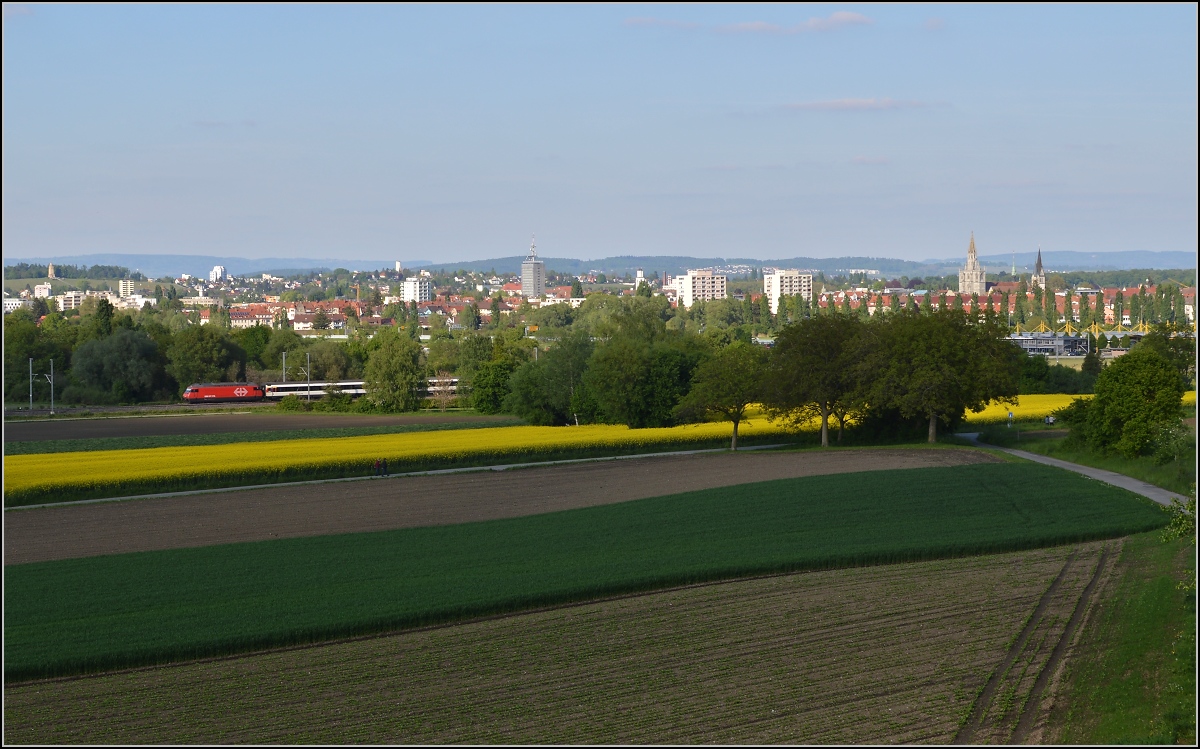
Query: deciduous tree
x=727 y=383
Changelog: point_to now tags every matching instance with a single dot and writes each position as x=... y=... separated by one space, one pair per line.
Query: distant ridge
x=155 y=266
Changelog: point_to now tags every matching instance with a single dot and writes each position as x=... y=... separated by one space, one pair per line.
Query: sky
x=452 y=133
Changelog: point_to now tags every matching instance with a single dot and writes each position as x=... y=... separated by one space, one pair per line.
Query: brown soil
x=890 y=654
x=202 y=423
x=382 y=504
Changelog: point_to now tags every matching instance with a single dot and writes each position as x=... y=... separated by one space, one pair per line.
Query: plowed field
x=67 y=532
x=893 y=654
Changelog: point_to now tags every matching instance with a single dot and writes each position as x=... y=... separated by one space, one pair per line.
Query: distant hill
x=155 y=266
x=1071 y=261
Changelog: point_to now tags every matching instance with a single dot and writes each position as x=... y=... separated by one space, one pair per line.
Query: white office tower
x=417 y=290
x=398 y=268
x=217 y=274
x=778 y=283
x=125 y=287
x=533 y=275
x=699 y=286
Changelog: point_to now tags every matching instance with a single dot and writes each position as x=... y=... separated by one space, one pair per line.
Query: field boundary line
x=983 y=702
x=436 y=472
x=1137 y=486
x=1031 y=709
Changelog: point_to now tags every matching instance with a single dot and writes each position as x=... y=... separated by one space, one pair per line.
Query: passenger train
x=247 y=392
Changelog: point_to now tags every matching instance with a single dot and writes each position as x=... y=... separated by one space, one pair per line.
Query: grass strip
x=37 y=479
x=101 y=613
x=1175 y=476
x=38 y=447
x=1132 y=679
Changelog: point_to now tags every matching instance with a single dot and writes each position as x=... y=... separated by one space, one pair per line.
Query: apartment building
x=778 y=283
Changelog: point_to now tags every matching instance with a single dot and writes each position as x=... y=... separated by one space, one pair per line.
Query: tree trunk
x=824 y=425
x=932 y=428
x=841 y=426
x=733 y=446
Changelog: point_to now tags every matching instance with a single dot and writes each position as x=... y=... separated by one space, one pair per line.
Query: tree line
x=35 y=270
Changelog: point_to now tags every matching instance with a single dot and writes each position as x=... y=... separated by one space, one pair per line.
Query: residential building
x=216 y=274
x=533 y=274
x=972 y=279
x=417 y=290
x=779 y=283
x=12 y=305
x=126 y=287
x=198 y=301
x=42 y=291
x=70 y=300
x=699 y=285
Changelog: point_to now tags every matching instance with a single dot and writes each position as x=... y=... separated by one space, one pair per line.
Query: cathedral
x=972 y=279
x=1039 y=273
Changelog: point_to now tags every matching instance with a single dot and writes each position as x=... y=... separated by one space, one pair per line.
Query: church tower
x=1039 y=275
x=972 y=279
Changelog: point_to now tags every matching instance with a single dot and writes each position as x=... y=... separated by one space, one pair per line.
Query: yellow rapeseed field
x=1038 y=407
x=44 y=474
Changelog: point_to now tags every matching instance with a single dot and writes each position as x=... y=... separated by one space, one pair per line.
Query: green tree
x=121 y=367
x=938 y=366
x=643 y=290
x=490 y=385
x=576 y=289
x=203 y=353
x=253 y=341
x=728 y=383
x=549 y=391
x=320 y=320
x=1137 y=396
x=811 y=371
x=470 y=317
x=393 y=373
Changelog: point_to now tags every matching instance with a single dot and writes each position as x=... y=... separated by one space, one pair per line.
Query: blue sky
x=453 y=133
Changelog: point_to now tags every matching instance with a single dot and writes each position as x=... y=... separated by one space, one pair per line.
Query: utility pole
x=308 y=373
x=51 y=387
x=31 y=383
x=285 y=366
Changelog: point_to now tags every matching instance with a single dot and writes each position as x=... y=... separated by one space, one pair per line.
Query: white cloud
x=12 y=10
x=833 y=21
x=854 y=105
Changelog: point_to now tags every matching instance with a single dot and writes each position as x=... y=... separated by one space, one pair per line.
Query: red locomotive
x=224 y=392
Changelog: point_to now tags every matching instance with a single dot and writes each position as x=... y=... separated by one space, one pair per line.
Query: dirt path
x=201 y=423
x=323 y=509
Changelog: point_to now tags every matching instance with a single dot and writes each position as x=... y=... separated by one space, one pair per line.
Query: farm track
x=201 y=423
x=1013 y=706
x=890 y=654
x=51 y=533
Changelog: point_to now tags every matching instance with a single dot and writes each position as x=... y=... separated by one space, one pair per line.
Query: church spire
x=971 y=249
x=1037 y=268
